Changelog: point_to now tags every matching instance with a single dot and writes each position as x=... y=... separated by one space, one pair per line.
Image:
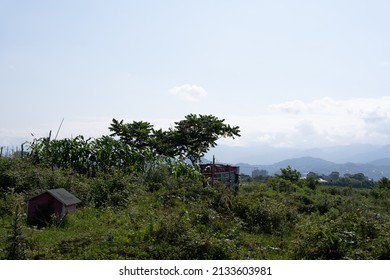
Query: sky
x=288 y=73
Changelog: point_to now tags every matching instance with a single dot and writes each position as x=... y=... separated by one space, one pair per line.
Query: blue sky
x=289 y=73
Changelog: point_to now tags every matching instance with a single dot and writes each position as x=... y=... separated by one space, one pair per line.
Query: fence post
x=21 y=152
x=212 y=172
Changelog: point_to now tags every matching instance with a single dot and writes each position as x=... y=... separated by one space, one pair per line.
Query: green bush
x=114 y=190
x=265 y=215
x=281 y=185
x=15 y=242
x=312 y=183
x=157 y=178
x=358 y=235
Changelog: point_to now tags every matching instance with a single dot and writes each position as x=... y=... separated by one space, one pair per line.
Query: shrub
x=16 y=243
x=311 y=183
x=383 y=183
x=114 y=190
x=281 y=185
x=289 y=174
x=351 y=235
x=157 y=178
x=264 y=215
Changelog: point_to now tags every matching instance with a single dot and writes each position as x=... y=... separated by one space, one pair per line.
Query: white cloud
x=331 y=106
x=320 y=106
x=306 y=127
x=292 y=107
x=321 y=122
x=191 y=93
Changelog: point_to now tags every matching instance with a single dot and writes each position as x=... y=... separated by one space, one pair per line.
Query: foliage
x=281 y=184
x=15 y=240
x=165 y=212
x=359 y=235
x=86 y=156
x=138 y=145
x=264 y=214
x=311 y=183
x=289 y=174
x=383 y=183
x=196 y=134
x=356 y=181
x=135 y=134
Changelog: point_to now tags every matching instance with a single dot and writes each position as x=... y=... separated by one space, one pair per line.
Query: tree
x=259 y=173
x=334 y=176
x=136 y=134
x=311 y=182
x=189 y=139
x=312 y=175
x=196 y=134
x=359 y=176
x=137 y=137
x=162 y=143
x=383 y=183
x=290 y=174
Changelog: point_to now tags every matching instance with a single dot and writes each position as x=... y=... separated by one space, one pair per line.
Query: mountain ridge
x=321 y=166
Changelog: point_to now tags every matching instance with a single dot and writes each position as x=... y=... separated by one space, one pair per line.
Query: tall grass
x=160 y=215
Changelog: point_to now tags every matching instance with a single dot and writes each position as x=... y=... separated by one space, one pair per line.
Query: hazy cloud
x=306 y=127
x=377 y=122
x=320 y=106
x=187 y=92
x=321 y=122
x=291 y=107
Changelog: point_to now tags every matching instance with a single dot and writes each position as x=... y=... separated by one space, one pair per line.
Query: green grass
x=161 y=216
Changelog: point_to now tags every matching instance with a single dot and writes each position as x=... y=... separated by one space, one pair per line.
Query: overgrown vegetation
x=139 y=202
x=159 y=214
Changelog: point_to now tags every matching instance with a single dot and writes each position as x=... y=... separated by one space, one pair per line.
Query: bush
x=114 y=190
x=157 y=178
x=383 y=183
x=289 y=174
x=281 y=185
x=312 y=183
x=351 y=235
x=16 y=243
x=264 y=215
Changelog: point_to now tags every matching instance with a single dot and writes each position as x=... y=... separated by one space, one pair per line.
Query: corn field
x=87 y=156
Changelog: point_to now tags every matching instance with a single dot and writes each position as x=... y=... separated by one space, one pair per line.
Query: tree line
x=358 y=180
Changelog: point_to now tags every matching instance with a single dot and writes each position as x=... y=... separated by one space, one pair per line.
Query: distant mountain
x=358 y=153
x=371 y=155
x=372 y=160
x=361 y=153
x=320 y=166
x=305 y=164
x=381 y=162
x=251 y=155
